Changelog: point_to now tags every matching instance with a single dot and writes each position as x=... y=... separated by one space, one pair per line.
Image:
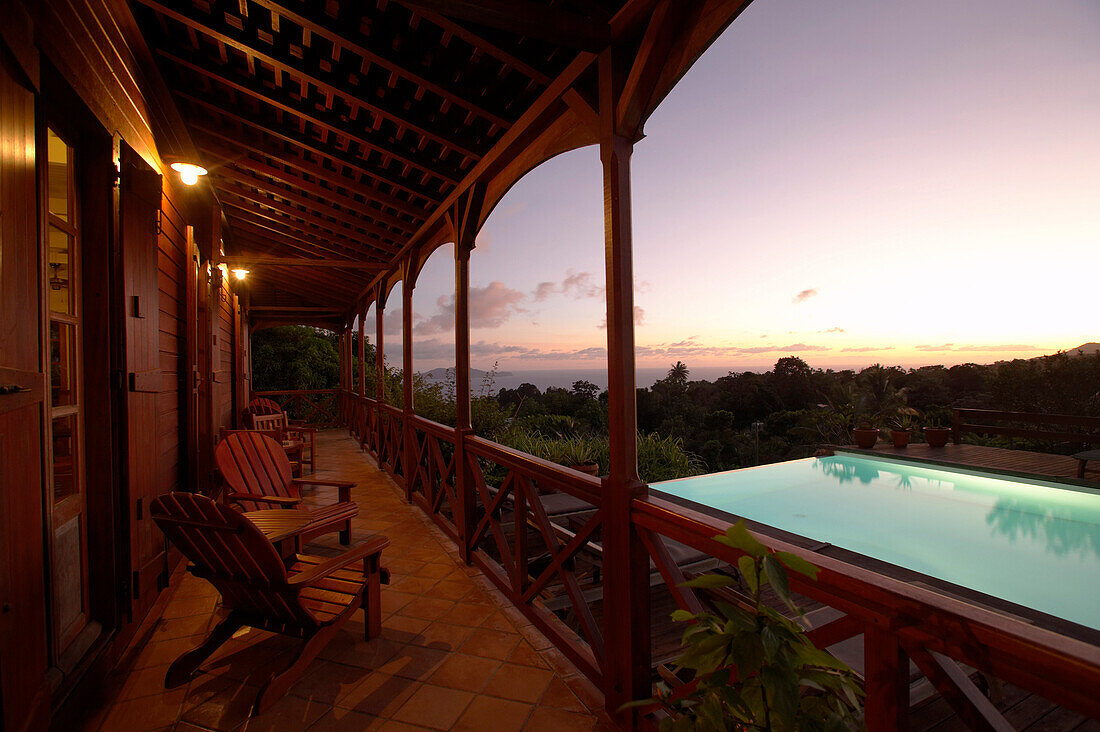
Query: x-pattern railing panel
x=434 y=475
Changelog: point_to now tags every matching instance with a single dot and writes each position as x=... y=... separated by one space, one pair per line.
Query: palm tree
x=679 y=373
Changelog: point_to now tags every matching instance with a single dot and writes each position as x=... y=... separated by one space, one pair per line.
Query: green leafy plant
x=906 y=419
x=755 y=669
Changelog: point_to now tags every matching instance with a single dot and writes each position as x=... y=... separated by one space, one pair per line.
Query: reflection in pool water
x=1033 y=543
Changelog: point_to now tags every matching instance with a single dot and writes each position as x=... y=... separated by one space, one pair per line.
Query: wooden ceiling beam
x=314 y=240
x=301 y=114
x=271 y=240
x=486 y=47
x=393 y=67
x=322 y=287
x=332 y=176
x=255 y=166
x=291 y=309
x=303 y=142
x=322 y=207
x=256 y=251
x=249 y=231
x=554 y=25
x=264 y=261
x=253 y=52
x=349 y=237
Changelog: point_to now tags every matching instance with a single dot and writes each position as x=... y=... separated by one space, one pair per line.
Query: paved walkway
x=452 y=655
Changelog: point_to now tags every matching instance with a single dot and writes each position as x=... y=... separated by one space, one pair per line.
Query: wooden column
x=380 y=368
x=464 y=220
x=886 y=680
x=362 y=353
x=626 y=565
x=408 y=454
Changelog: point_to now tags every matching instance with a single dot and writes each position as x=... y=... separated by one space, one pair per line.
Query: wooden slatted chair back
x=252 y=462
x=270 y=422
x=261 y=405
x=231 y=553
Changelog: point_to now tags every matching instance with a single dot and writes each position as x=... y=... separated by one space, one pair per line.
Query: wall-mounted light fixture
x=57 y=282
x=189 y=173
x=240 y=274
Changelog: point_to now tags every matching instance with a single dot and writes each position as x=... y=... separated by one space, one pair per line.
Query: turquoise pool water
x=1033 y=543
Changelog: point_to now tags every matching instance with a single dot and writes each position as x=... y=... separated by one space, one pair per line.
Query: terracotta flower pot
x=590 y=468
x=900 y=437
x=865 y=438
x=937 y=436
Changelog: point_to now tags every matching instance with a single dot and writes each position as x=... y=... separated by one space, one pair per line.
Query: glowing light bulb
x=189 y=173
x=240 y=274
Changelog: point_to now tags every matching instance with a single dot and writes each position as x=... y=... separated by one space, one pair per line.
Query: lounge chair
x=309 y=598
x=259 y=475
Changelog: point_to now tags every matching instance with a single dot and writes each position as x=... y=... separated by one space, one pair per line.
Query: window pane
x=62 y=364
x=60 y=271
x=64 y=457
x=60 y=160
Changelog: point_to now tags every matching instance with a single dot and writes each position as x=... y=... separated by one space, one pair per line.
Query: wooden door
x=139 y=206
x=66 y=486
x=23 y=631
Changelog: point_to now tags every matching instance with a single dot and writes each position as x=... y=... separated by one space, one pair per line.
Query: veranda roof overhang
x=341 y=137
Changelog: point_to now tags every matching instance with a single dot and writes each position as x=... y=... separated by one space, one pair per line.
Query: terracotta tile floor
x=453 y=654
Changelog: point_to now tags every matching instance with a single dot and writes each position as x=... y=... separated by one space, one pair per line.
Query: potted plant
x=865 y=435
x=935 y=433
x=751 y=667
x=902 y=426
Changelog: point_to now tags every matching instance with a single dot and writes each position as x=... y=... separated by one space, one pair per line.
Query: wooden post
x=380 y=368
x=362 y=353
x=886 y=681
x=464 y=220
x=408 y=454
x=626 y=565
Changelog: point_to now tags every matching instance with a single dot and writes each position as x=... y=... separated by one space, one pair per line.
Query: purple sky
x=849 y=182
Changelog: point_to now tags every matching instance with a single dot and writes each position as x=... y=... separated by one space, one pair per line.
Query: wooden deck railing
x=1069 y=428
x=316 y=407
x=495 y=514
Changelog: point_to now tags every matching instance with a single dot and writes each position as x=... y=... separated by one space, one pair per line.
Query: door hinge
x=116 y=176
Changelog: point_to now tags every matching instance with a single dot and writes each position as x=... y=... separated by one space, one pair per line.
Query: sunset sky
x=850 y=182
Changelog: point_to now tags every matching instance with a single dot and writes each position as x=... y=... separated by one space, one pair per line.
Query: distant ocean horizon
x=564 y=378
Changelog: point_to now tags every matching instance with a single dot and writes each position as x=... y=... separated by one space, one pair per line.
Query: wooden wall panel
x=171 y=265
x=223 y=355
x=24 y=693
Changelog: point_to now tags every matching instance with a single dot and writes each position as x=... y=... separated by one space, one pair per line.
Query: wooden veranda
x=345 y=142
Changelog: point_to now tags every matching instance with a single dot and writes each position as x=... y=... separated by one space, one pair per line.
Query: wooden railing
x=510 y=530
x=901 y=621
x=432 y=480
x=491 y=504
x=1069 y=428
x=316 y=407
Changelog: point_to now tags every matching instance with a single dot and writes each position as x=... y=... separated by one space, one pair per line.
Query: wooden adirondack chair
x=309 y=599
x=258 y=474
x=265 y=414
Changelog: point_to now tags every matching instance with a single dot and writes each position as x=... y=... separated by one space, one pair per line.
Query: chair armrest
x=343 y=486
x=287 y=501
x=374 y=545
x=336 y=483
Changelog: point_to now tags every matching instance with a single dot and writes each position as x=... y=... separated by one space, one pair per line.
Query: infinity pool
x=1029 y=542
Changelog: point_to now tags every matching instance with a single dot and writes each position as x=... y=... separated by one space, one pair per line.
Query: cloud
x=804 y=295
x=865 y=349
x=578 y=285
x=979 y=349
x=490 y=307
x=832 y=330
